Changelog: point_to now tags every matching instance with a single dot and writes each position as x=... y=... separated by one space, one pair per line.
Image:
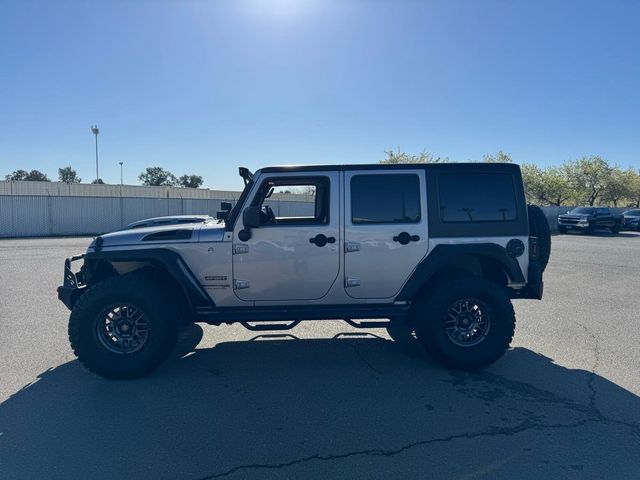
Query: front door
x=293 y=254
x=385 y=230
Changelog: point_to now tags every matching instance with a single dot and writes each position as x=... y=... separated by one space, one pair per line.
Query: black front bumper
x=73 y=285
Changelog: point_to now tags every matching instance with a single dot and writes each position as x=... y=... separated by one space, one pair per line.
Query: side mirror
x=222 y=215
x=226 y=206
x=251 y=217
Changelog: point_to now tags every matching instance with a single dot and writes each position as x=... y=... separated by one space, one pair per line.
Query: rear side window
x=385 y=199
x=478 y=197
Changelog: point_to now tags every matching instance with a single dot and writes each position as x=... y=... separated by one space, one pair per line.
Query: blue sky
x=202 y=87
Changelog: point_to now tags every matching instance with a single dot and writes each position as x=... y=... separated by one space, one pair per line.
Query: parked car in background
x=589 y=219
x=631 y=219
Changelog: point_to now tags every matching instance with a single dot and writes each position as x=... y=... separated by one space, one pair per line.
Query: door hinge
x=240 y=284
x=351 y=282
x=240 y=248
x=351 y=247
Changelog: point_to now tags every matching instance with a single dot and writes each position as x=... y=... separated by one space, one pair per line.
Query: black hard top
x=458 y=167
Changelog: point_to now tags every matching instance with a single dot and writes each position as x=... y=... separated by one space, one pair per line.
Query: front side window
x=476 y=197
x=385 y=198
x=286 y=201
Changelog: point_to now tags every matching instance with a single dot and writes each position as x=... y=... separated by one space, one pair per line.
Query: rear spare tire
x=539 y=227
x=123 y=327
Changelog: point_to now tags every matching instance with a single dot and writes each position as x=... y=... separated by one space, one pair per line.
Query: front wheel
x=562 y=229
x=466 y=324
x=123 y=327
x=616 y=228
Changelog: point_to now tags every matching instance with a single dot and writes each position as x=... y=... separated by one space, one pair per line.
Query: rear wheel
x=466 y=324
x=123 y=327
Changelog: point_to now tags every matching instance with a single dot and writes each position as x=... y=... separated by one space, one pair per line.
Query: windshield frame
x=230 y=222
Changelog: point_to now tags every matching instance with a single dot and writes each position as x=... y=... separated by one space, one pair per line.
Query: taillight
x=534 y=248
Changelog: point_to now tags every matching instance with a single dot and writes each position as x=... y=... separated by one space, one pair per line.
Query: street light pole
x=120 y=172
x=96 y=131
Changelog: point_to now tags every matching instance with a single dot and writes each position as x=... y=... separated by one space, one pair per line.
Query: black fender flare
x=443 y=254
x=163 y=258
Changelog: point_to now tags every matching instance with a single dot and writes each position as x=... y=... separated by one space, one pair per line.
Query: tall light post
x=96 y=131
x=120 y=172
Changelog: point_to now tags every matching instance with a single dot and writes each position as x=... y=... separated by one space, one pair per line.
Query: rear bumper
x=73 y=284
x=534 y=288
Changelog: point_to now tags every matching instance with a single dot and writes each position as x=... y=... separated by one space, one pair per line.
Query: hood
x=575 y=215
x=159 y=235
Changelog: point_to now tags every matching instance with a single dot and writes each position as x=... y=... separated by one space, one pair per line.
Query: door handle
x=404 y=238
x=321 y=240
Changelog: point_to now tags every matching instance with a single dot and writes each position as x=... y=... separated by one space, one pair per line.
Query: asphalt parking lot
x=327 y=401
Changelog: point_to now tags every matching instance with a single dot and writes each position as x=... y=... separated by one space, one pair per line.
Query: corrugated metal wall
x=29 y=209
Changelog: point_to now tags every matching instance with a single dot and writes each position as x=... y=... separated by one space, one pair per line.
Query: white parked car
x=439 y=248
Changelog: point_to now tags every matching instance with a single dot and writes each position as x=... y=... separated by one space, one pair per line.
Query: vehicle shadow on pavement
x=355 y=406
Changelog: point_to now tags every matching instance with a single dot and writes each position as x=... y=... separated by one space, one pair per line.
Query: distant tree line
x=590 y=180
x=152 y=176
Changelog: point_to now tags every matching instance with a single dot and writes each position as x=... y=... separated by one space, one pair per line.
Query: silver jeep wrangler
x=436 y=249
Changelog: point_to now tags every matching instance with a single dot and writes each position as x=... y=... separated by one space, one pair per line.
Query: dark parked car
x=631 y=219
x=589 y=219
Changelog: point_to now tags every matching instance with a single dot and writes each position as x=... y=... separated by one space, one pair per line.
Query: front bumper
x=73 y=284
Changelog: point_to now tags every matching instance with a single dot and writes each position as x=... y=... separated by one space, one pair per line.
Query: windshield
x=632 y=213
x=583 y=210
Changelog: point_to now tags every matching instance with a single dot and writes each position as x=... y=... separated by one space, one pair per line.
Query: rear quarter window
x=476 y=197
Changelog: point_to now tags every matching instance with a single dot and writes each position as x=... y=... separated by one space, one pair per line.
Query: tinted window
x=385 y=198
x=476 y=198
x=632 y=213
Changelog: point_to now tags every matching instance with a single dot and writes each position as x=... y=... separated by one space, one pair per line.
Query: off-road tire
x=590 y=229
x=91 y=308
x=429 y=314
x=539 y=227
x=562 y=229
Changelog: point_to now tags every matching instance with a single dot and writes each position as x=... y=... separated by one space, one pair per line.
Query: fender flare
x=164 y=258
x=443 y=254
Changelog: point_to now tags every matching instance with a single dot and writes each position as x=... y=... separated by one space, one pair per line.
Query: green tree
x=190 y=181
x=403 y=157
x=588 y=177
x=24 y=176
x=619 y=186
x=634 y=187
x=157 y=176
x=97 y=181
x=499 y=157
x=68 y=175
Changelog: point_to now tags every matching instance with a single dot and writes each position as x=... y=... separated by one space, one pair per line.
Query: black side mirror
x=251 y=217
x=226 y=206
x=222 y=215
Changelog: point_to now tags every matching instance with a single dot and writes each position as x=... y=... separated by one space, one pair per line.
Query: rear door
x=385 y=230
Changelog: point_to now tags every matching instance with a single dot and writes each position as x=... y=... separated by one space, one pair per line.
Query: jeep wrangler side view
x=437 y=249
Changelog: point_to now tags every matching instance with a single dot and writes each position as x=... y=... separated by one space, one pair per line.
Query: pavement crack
x=493 y=431
x=594 y=367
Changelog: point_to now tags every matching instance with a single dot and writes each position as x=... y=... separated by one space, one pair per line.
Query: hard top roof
x=473 y=166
